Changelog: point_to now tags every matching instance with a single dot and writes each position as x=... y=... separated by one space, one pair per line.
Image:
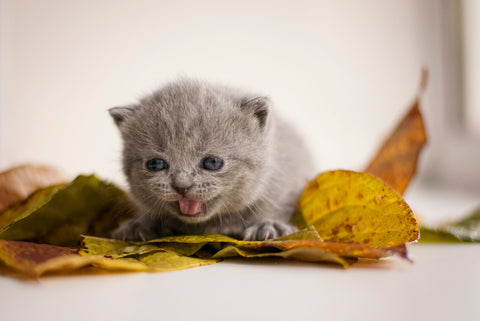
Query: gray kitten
x=201 y=158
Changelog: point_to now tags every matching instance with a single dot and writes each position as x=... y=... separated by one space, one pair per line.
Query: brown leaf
x=338 y=248
x=311 y=251
x=18 y=183
x=396 y=160
x=26 y=256
x=32 y=260
x=307 y=254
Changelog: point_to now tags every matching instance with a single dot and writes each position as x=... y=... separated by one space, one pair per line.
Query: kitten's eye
x=156 y=164
x=212 y=163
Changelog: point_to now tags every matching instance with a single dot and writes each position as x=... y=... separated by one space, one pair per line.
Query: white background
x=343 y=72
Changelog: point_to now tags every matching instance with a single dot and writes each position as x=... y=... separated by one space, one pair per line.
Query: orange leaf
x=33 y=259
x=396 y=161
x=18 y=183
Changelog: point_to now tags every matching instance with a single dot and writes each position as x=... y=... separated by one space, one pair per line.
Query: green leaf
x=304 y=245
x=166 y=256
x=116 y=249
x=59 y=214
x=171 y=261
x=433 y=235
x=464 y=230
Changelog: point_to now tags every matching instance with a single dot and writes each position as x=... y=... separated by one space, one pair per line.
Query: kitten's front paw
x=267 y=230
x=133 y=230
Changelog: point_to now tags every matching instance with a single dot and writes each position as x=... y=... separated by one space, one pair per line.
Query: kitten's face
x=193 y=152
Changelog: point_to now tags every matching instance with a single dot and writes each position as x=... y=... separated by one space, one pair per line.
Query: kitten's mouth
x=190 y=207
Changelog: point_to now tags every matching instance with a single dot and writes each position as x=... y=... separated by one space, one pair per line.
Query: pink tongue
x=189 y=207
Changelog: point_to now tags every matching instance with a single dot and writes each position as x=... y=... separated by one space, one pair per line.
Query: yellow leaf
x=346 y=206
x=116 y=249
x=308 y=254
x=171 y=261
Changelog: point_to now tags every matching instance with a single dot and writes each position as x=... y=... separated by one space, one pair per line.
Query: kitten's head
x=195 y=150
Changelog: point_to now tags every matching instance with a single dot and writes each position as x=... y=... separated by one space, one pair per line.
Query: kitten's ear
x=258 y=107
x=119 y=114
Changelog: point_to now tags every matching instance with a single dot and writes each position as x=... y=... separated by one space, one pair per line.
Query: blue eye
x=212 y=163
x=156 y=164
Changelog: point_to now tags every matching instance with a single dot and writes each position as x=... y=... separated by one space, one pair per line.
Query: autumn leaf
x=396 y=160
x=170 y=261
x=310 y=251
x=304 y=245
x=32 y=260
x=157 y=256
x=352 y=207
x=343 y=216
x=346 y=206
x=26 y=257
x=59 y=214
x=187 y=245
x=174 y=252
x=116 y=249
x=17 y=183
x=308 y=254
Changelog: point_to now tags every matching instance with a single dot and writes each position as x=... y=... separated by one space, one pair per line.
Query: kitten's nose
x=182 y=182
x=181 y=190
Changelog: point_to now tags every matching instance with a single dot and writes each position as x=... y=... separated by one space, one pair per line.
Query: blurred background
x=343 y=72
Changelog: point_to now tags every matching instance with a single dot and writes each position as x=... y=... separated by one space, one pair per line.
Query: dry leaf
x=18 y=183
x=346 y=216
x=58 y=215
x=117 y=249
x=308 y=254
x=396 y=161
x=346 y=206
x=26 y=257
x=171 y=261
x=33 y=260
x=311 y=251
x=304 y=245
x=86 y=199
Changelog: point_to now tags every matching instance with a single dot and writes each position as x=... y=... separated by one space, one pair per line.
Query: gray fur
x=252 y=196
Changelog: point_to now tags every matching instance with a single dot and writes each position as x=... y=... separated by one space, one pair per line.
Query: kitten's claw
x=267 y=230
x=132 y=230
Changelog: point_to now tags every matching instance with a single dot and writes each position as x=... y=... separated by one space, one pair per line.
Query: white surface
x=442 y=284
x=435 y=204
